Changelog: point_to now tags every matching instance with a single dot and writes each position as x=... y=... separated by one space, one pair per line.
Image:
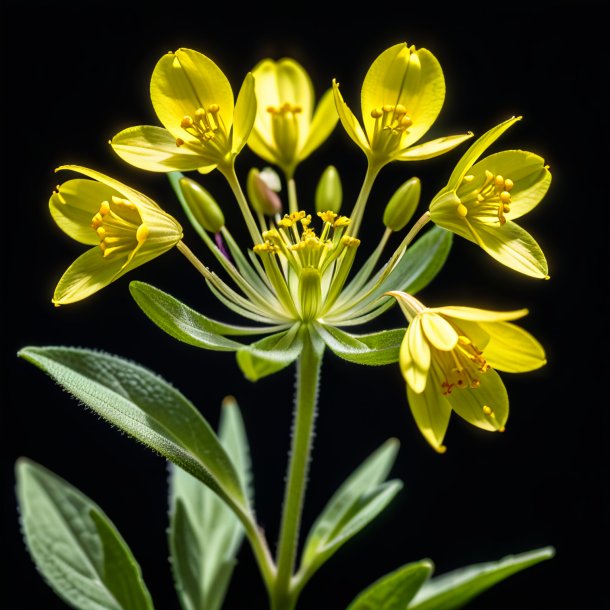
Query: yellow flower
x=402 y=94
x=287 y=130
x=126 y=228
x=483 y=198
x=448 y=356
x=204 y=129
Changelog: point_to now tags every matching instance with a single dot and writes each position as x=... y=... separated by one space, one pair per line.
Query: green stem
x=356 y=216
x=228 y=171
x=261 y=552
x=293 y=205
x=284 y=596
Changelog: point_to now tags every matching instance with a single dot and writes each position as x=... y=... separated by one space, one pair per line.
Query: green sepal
x=362 y=496
x=204 y=535
x=270 y=354
x=454 y=589
x=186 y=324
x=145 y=406
x=74 y=545
x=377 y=348
x=394 y=590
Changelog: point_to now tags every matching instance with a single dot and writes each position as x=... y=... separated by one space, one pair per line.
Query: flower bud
x=329 y=193
x=202 y=205
x=262 y=194
x=402 y=205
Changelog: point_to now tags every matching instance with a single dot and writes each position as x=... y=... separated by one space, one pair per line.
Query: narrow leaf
x=373 y=349
x=395 y=590
x=454 y=589
x=355 y=504
x=146 y=407
x=270 y=354
x=75 y=546
x=205 y=535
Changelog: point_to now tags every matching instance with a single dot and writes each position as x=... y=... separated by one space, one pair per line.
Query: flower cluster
x=297 y=280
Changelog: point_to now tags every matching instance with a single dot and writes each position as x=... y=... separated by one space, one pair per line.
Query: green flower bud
x=329 y=193
x=202 y=205
x=263 y=198
x=310 y=293
x=402 y=205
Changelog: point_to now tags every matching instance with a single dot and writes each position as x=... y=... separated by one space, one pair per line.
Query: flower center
x=119 y=226
x=285 y=130
x=491 y=199
x=391 y=125
x=309 y=269
x=207 y=126
x=462 y=366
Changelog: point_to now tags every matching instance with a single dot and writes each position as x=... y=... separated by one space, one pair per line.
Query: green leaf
x=270 y=354
x=205 y=535
x=187 y=325
x=394 y=590
x=146 y=407
x=454 y=589
x=373 y=349
x=75 y=546
x=355 y=504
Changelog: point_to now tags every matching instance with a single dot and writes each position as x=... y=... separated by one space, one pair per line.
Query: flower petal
x=514 y=247
x=323 y=122
x=154 y=149
x=438 y=331
x=245 y=113
x=184 y=81
x=349 y=121
x=485 y=407
x=479 y=315
x=512 y=349
x=89 y=273
x=414 y=357
x=433 y=148
x=528 y=172
x=431 y=411
x=75 y=203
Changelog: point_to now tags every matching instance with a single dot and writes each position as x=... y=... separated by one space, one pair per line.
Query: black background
x=75 y=74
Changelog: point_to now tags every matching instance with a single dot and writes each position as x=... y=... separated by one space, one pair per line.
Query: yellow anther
x=267 y=247
x=468 y=178
x=400 y=109
x=142 y=233
x=200 y=113
x=505 y=197
x=388 y=108
x=328 y=216
x=499 y=180
x=104 y=208
x=508 y=184
x=405 y=121
x=349 y=241
x=488 y=411
x=179 y=142
x=286 y=221
x=306 y=221
x=213 y=108
x=376 y=113
x=462 y=210
x=101 y=232
x=342 y=221
x=186 y=122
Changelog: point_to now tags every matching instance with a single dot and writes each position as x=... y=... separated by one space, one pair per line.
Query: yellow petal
x=154 y=149
x=414 y=357
x=245 y=113
x=479 y=315
x=433 y=148
x=324 y=120
x=184 y=81
x=485 y=407
x=74 y=206
x=431 y=411
x=438 y=331
x=349 y=121
x=512 y=349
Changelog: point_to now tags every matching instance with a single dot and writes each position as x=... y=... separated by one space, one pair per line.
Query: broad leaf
x=374 y=349
x=394 y=590
x=355 y=504
x=75 y=546
x=205 y=535
x=270 y=354
x=146 y=407
x=186 y=324
x=455 y=589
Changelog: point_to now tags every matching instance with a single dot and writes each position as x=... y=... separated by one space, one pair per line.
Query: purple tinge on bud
x=221 y=246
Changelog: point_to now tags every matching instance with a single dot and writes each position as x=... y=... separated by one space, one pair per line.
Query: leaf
x=394 y=590
x=205 y=535
x=270 y=354
x=75 y=546
x=355 y=504
x=146 y=407
x=454 y=589
x=185 y=324
x=373 y=349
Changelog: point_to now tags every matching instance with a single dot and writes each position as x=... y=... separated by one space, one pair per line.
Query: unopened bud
x=262 y=196
x=202 y=205
x=329 y=192
x=402 y=205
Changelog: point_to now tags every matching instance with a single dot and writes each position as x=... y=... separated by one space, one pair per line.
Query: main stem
x=283 y=596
